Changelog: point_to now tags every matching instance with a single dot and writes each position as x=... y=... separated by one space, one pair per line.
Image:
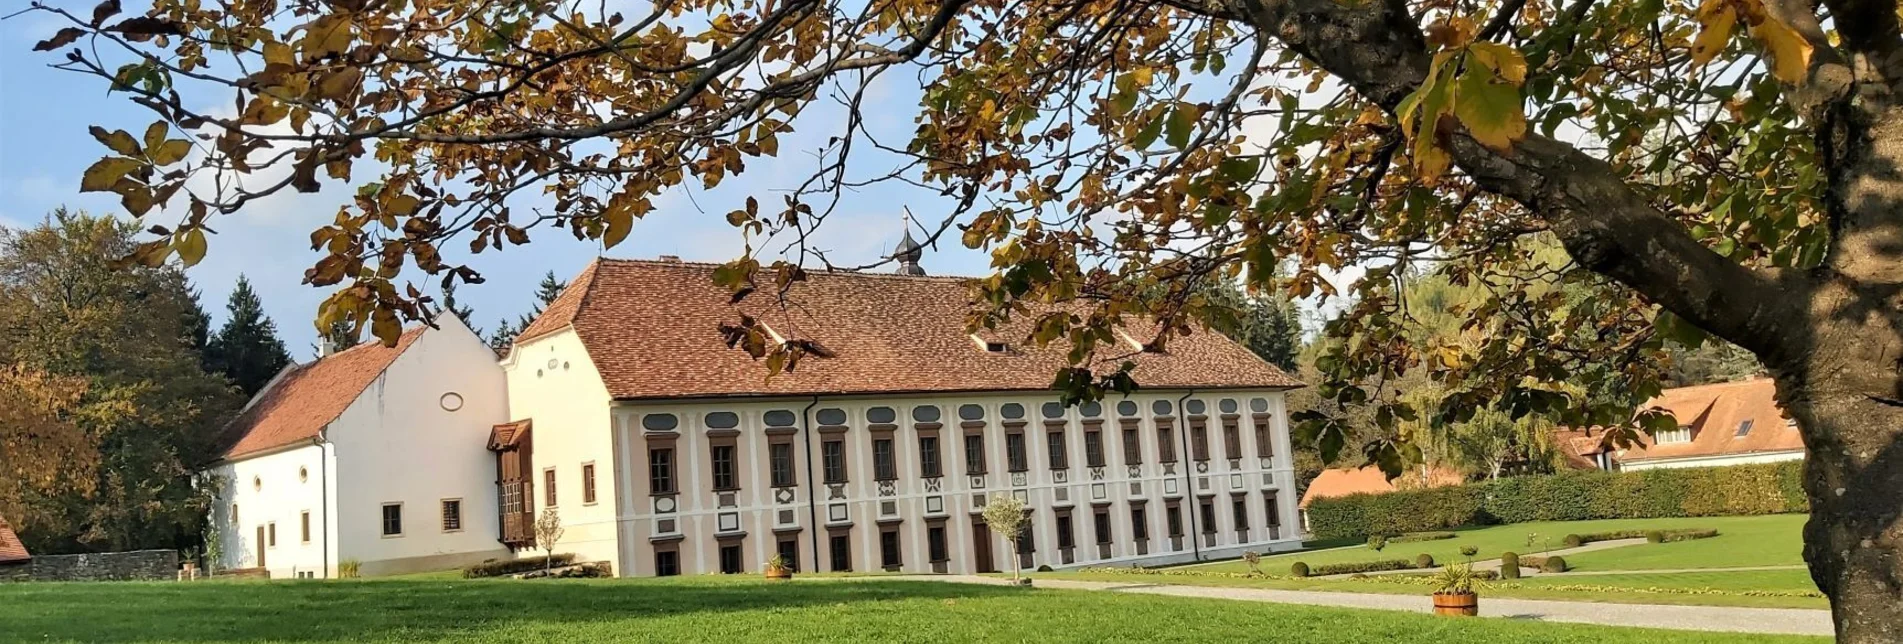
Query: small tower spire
x=909 y=250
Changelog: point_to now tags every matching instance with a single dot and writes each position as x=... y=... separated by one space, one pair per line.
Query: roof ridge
x=809 y=271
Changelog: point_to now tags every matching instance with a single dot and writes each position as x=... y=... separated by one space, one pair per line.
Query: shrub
x=1510 y=565
x=501 y=567
x=1361 y=567
x=1299 y=569
x=1421 y=536
x=1377 y=542
x=1044 y=568
x=1553 y=564
x=1654 y=536
x=1469 y=551
x=1568 y=496
x=1424 y=561
x=349 y=569
x=1573 y=541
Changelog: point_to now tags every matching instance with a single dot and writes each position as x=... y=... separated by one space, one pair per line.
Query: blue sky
x=44 y=147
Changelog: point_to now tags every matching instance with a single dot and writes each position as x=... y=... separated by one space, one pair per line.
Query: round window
x=1091 y=409
x=926 y=414
x=780 y=418
x=722 y=420
x=1011 y=410
x=1228 y=405
x=303 y=475
x=1161 y=407
x=1196 y=406
x=660 y=422
x=831 y=416
x=451 y=401
x=882 y=415
x=1258 y=405
x=1053 y=410
x=1127 y=408
x=971 y=412
x=257 y=483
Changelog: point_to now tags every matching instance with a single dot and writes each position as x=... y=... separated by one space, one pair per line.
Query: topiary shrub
x=1044 y=568
x=1654 y=536
x=1510 y=566
x=1377 y=542
x=1553 y=564
x=1573 y=541
x=1299 y=569
x=1360 y=567
x=1469 y=551
x=1424 y=561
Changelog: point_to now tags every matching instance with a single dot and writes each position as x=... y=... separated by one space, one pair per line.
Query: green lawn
x=1752 y=589
x=719 y=610
x=1742 y=541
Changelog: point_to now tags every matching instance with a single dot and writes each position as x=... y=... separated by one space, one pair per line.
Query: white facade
x=1711 y=461
x=553 y=382
x=414 y=438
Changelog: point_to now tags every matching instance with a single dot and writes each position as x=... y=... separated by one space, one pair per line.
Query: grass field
x=719 y=610
x=1743 y=541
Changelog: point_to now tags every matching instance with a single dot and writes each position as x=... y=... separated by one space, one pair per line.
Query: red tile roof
x=650 y=327
x=308 y=397
x=11 y=549
x=1371 y=480
x=1714 y=413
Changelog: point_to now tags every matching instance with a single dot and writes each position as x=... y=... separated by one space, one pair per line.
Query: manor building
x=664 y=451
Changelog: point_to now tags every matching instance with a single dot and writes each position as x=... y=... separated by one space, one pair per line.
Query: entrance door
x=981 y=545
x=260 y=543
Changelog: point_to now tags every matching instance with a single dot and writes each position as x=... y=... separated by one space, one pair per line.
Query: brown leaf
x=63 y=38
x=146 y=26
x=106 y=172
x=105 y=10
x=118 y=140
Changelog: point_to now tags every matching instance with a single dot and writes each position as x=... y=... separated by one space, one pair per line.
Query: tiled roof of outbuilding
x=307 y=397
x=651 y=329
x=11 y=549
x=1714 y=413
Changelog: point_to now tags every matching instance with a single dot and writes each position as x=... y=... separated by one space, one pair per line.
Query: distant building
x=15 y=561
x=1341 y=482
x=372 y=454
x=1732 y=423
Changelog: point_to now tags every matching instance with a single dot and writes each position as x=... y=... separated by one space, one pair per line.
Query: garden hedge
x=1360 y=566
x=1771 y=488
x=500 y=567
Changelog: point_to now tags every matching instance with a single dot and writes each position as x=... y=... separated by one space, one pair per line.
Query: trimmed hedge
x=500 y=567
x=1424 y=561
x=1420 y=536
x=1653 y=536
x=1772 y=488
x=1510 y=565
x=1553 y=564
x=1360 y=567
x=1299 y=569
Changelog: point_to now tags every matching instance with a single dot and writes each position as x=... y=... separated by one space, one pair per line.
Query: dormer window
x=1681 y=435
x=990 y=346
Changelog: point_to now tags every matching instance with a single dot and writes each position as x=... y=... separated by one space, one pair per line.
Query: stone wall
x=138 y=565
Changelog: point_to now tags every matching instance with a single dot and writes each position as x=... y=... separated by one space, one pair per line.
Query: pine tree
x=462 y=311
x=545 y=294
x=247 y=349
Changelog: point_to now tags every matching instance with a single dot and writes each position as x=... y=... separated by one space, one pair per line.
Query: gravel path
x=1786 y=621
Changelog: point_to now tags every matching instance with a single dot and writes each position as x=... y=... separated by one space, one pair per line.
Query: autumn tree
x=1725 y=167
x=110 y=352
x=247 y=349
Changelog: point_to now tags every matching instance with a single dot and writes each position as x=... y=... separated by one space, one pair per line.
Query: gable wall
x=553 y=382
x=398 y=444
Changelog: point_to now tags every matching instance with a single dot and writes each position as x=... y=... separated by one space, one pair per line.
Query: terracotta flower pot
x=1467 y=604
x=779 y=573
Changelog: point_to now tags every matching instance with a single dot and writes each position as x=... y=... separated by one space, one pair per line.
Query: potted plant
x=778 y=568
x=1454 y=591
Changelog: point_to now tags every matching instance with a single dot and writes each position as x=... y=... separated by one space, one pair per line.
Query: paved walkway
x=1787 y=621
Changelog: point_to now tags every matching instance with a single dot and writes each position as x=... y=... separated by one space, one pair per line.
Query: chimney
x=671 y=258
x=325 y=347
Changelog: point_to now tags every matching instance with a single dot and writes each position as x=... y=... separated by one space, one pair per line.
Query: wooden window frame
x=665 y=474
x=1059 y=446
x=442 y=507
x=834 y=449
x=1093 y=447
x=588 y=483
x=792 y=477
x=933 y=467
x=549 y=498
x=271 y=534
x=1165 y=442
x=1100 y=524
x=304 y=519
x=1132 y=445
x=1018 y=459
x=885 y=468
x=732 y=452
x=974 y=459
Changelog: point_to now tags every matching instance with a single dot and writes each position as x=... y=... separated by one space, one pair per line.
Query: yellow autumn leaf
x=1717 y=19
x=1505 y=61
x=190 y=245
x=104 y=173
x=1493 y=112
x=619 y=220
x=1790 y=52
x=170 y=152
